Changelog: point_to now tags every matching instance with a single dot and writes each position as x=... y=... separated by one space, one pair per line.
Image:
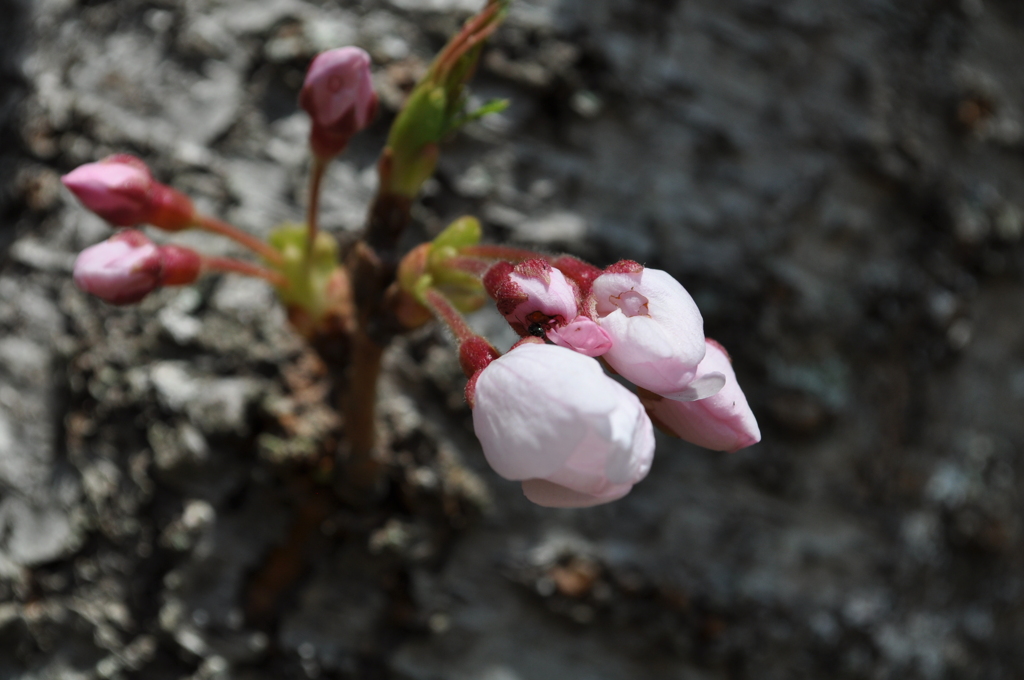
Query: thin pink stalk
x=233 y=266
x=471 y=33
x=496 y=252
x=258 y=246
x=471 y=265
x=316 y=177
x=447 y=313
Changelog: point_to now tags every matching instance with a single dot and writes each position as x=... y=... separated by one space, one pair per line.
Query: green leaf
x=493 y=106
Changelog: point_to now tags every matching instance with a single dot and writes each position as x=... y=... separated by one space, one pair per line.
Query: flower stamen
x=631 y=303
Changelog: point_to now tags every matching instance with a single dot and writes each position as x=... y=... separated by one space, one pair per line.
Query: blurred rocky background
x=839 y=183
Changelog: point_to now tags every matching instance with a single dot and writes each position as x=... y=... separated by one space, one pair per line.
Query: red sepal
x=475 y=354
x=624 y=267
x=181 y=266
x=506 y=293
x=170 y=209
x=576 y=270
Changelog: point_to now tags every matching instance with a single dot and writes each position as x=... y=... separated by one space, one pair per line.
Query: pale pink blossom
x=723 y=422
x=656 y=330
x=339 y=98
x=551 y=418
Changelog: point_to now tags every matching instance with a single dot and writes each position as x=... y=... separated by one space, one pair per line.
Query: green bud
x=463 y=232
x=436 y=107
x=305 y=289
x=413 y=139
x=420 y=122
x=465 y=301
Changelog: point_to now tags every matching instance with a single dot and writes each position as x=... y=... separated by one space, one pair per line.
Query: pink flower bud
x=537 y=299
x=118 y=189
x=121 y=270
x=338 y=96
x=121 y=190
x=723 y=422
x=656 y=330
x=128 y=266
x=551 y=418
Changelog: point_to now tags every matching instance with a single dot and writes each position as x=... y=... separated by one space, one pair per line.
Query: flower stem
x=470 y=265
x=446 y=312
x=233 y=266
x=359 y=405
x=258 y=246
x=475 y=31
x=496 y=252
x=316 y=177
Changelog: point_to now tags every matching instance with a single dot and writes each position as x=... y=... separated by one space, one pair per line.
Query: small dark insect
x=537 y=330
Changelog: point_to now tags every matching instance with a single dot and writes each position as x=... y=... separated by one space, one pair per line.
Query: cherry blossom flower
x=722 y=422
x=656 y=330
x=551 y=418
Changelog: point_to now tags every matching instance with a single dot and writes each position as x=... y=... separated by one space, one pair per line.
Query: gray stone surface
x=838 y=184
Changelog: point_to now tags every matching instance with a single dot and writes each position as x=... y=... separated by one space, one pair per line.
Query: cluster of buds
x=338 y=95
x=549 y=416
x=547 y=413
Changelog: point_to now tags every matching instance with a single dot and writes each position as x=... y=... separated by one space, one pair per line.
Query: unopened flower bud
x=723 y=422
x=117 y=189
x=339 y=98
x=121 y=190
x=121 y=270
x=551 y=418
x=656 y=329
x=538 y=300
x=128 y=266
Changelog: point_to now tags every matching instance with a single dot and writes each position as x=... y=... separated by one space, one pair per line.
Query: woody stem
x=359 y=405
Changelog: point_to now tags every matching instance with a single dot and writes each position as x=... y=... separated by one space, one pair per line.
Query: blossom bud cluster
x=339 y=98
x=546 y=413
